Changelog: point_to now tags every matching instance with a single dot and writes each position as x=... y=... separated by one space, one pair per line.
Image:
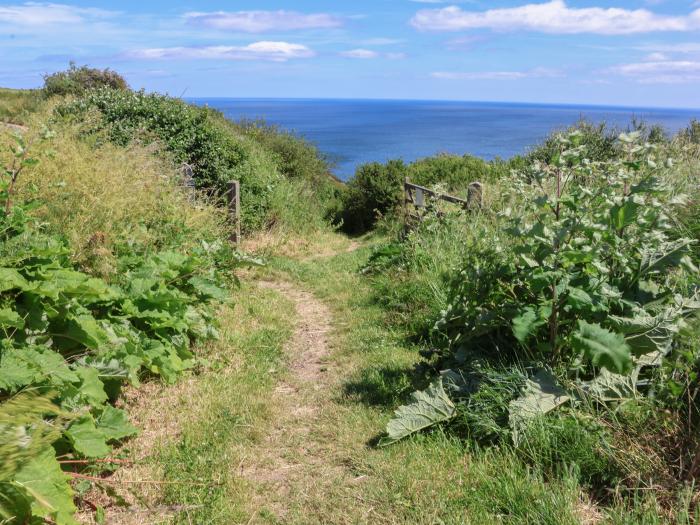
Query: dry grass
x=108 y=199
x=281 y=241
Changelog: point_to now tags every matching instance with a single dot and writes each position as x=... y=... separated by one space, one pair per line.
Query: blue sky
x=624 y=52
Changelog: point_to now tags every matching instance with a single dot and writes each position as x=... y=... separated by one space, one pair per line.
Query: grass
x=228 y=410
x=430 y=478
x=111 y=200
x=16 y=105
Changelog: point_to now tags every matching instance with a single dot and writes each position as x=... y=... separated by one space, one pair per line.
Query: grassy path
x=282 y=427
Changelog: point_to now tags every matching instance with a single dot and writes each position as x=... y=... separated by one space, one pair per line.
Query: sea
x=353 y=132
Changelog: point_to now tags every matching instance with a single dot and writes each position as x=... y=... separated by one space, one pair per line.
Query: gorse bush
x=77 y=80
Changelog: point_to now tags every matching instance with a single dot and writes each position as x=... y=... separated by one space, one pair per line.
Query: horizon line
x=495 y=102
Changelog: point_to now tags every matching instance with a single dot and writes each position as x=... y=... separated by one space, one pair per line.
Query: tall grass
x=110 y=200
x=16 y=105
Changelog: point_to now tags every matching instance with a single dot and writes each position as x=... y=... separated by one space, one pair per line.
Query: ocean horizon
x=351 y=132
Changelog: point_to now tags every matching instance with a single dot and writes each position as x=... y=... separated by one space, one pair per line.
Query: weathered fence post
x=475 y=193
x=188 y=180
x=234 y=209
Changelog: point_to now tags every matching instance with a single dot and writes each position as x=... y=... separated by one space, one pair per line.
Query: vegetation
x=542 y=350
x=78 y=80
x=16 y=104
x=276 y=175
x=561 y=311
x=112 y=269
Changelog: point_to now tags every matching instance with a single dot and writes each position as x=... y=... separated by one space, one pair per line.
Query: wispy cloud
x=271 y=51
x=555 y=17
x=660 y=72
x=263 y=21
x=679 y=47
x=539 y=72
x=46 y=14
x=369 y=53
x=381 y=41
x=359 y=53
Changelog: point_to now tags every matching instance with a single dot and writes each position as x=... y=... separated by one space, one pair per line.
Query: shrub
x=376 y=189
x=452 y=171
x=585 y=287
x=296 y=157
x=598 y=140
x=77 y=80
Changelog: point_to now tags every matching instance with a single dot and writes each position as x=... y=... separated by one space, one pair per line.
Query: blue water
x=352 y=132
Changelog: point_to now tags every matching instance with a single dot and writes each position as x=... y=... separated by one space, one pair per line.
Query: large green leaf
x=87 y=439
x=541 y=394
x=604 y=348
x=114 y=424
x=47 y=485
x=208 y=288
x=91 y=386
x=10 y=319
x=429 y=407
x=11 y=279
x=20 y=367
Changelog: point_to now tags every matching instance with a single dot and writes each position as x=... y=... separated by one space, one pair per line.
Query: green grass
x=225 y=410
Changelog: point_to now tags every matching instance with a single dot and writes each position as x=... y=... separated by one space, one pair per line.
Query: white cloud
x=273 y=51
x=660 y=72
x=655 y=57
x=554 y=17
x=263 y=21
x=381 y=41
x=369 y=53
x=539 y=72
x=359 y=53
x=45 y=14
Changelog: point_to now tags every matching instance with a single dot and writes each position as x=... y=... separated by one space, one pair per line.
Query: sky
x=634 y=53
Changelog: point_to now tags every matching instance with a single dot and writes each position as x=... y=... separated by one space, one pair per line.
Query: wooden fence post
x=188 y=181
x=234 y=209
x=475 y=194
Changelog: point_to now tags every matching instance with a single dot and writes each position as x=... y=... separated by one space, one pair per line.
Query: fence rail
x=416 y=198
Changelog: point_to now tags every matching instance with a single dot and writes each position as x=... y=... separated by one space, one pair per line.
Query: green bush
x=455 y=173
x=375 y=190
x=296 y=157
x=584 y=285
x=274 y=168
x=77 y=80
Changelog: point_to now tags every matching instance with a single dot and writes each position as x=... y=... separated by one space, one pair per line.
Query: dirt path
x=291 y=462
